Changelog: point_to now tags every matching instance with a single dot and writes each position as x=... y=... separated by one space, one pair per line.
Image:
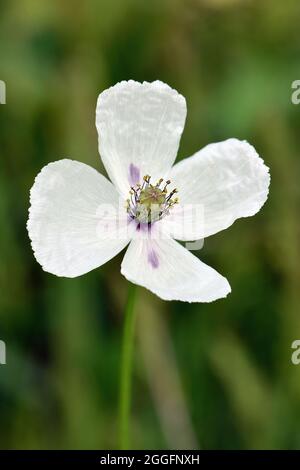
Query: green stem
x=126 y=367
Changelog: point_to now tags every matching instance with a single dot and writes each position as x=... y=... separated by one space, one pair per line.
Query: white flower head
x=78 y=219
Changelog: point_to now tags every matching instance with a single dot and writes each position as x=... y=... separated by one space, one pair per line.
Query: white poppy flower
x=75 y=221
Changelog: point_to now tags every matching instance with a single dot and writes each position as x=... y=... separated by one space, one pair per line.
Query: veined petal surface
x=139 y=127
x=172 y=272
x=75 y=222
x=219 y=184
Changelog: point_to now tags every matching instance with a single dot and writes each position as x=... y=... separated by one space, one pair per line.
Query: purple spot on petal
x=153 y=259
x=143 y=227
x=134 y=174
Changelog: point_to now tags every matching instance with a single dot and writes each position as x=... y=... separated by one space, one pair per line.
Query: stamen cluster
x=148 y=203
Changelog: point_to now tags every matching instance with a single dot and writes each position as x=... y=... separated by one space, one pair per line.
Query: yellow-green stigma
x=149 y=203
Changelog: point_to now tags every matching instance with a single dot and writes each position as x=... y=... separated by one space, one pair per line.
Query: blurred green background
x=214 y=376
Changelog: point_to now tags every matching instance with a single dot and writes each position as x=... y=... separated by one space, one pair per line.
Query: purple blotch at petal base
x=153 y=259
x=134 y=174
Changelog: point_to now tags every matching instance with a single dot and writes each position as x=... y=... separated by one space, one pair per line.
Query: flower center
x=148 y=203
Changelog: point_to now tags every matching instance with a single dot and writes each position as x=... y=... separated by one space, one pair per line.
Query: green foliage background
x=215 y=376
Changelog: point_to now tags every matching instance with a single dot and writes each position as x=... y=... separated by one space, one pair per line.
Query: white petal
x=74 y=224
x=216 y=186
x=139 y=127
x=170 y=271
